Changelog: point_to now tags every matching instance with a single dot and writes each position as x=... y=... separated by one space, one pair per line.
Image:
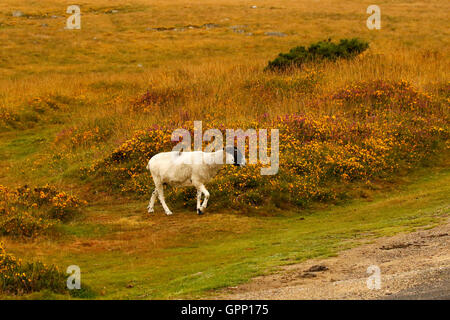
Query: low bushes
x=28 y=212
x=19 y=278
x=322 y=50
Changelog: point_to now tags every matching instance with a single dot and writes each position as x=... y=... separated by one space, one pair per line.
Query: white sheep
x=189 y=169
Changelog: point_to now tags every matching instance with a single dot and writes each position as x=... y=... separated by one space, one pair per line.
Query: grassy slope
x=115 y=244
x=123 y=254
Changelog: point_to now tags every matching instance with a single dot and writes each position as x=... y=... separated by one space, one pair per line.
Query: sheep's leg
x=152 y=201
x=205 y=201
x=199 y=199
x=160 y=190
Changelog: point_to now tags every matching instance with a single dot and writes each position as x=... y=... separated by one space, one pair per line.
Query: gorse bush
x=52 y=203
x=73 y=138
x=28 y=212
x=383 y=96
x=322 y=50
x=7 y=118
x=376 y=129
x=23 y=224
x=19 y=278
x=125 y=164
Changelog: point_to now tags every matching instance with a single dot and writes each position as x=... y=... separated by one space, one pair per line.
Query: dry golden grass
x=412 y=45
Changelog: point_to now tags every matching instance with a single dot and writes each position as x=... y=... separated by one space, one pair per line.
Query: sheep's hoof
x=169 y=213
x=199 y=212
x=151 y=210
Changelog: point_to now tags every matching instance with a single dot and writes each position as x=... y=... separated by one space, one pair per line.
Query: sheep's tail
x=148 y=166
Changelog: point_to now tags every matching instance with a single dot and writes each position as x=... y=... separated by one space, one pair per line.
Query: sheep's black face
x=238 y=158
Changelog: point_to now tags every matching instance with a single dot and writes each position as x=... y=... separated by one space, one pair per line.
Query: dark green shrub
x=322 y=50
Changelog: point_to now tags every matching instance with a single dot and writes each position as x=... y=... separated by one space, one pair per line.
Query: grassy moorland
x=82 y=110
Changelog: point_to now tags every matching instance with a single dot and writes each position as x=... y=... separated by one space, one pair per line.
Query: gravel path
x=412 y=266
